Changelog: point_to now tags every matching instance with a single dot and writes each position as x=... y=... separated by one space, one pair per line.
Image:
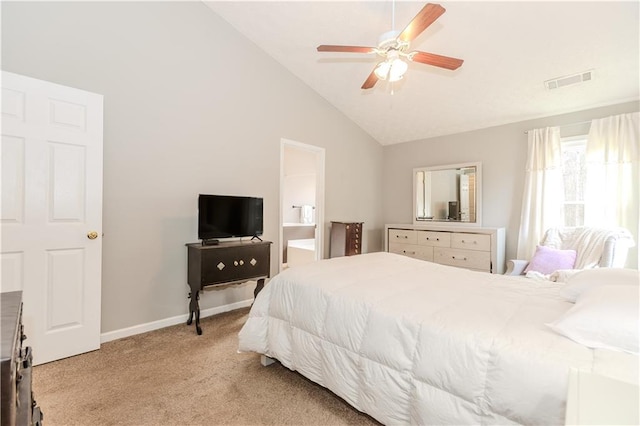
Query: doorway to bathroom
x=301 y=203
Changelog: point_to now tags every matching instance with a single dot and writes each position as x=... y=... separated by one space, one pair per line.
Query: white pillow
x=605 y=317
x=582 y=281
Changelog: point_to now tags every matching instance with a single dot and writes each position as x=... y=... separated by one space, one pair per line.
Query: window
x=574 y=174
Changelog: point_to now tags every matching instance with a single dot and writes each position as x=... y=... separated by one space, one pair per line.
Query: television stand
x=232 y=262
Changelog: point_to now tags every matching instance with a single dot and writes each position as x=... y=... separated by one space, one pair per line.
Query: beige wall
x=190 y=106
x=502 y=151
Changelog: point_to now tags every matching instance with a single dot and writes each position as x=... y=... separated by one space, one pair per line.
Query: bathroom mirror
x=451 y=193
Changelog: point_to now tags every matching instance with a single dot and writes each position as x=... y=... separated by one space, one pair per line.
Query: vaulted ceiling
x=509 y=50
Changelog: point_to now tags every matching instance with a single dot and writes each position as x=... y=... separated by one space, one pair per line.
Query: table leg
x=194 y=310
x=259 y=286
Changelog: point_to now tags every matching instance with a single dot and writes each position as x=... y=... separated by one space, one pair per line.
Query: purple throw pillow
x=547 y=260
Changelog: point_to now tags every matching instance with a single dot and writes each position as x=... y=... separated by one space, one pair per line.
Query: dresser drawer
x=470 y=259
x=412 y=250
x=354 y=230
x=354 y=239
x=434 y=238
x=471 y=241
x=405 y=236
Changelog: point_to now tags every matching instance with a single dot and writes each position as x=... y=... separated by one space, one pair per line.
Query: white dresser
x=480 y=249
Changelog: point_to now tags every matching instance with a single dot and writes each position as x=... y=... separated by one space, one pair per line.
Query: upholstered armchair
x=590 y=247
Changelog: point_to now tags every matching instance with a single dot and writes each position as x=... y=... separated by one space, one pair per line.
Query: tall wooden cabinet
x=346 y=239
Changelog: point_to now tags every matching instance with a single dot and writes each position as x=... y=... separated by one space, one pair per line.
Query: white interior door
x=51 y=221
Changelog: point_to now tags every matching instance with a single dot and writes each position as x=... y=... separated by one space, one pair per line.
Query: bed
x=409 y=341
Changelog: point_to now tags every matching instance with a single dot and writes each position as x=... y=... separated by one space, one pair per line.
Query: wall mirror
x=451 y=193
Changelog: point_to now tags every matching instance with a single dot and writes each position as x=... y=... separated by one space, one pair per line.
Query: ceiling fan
x=393 y=46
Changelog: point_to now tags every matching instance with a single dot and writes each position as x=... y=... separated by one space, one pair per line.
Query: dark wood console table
x=225 y=263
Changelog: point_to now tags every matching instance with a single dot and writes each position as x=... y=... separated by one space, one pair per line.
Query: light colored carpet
x=174 y=377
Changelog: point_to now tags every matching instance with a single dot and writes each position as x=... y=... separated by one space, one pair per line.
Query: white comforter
x=409 y=341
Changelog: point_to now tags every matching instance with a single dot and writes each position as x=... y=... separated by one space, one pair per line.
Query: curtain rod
x=567 y=125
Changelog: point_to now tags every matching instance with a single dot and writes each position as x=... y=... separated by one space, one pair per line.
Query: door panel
x=67 y=182
x=12 y=179
x=64 y=289
x=12 y=265
x=51 y=200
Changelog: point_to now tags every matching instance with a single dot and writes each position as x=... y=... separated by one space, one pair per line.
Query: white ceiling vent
x=568 y=80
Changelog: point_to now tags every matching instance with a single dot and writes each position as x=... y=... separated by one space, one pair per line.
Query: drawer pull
x=402 y=236
x=437 y=239
x=408 y=252
x=235 y=263
x=472 y=242
x=458 y=258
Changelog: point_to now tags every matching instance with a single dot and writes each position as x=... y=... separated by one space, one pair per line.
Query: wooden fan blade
x=371 y=80
x=436 y=60
x=423 y=19
x=348 y=49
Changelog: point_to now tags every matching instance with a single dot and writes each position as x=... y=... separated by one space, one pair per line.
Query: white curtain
x=542 y=201
x=612 y=192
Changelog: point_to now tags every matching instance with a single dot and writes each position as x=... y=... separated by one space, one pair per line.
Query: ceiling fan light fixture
x=397 y=69
x=382 y=70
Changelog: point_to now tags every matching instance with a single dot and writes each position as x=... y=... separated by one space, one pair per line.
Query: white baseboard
x=167 y=322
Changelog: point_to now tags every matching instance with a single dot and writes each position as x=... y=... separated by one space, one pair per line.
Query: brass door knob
x=92 y=235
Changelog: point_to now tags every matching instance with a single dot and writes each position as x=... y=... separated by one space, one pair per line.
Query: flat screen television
x=228 y=216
